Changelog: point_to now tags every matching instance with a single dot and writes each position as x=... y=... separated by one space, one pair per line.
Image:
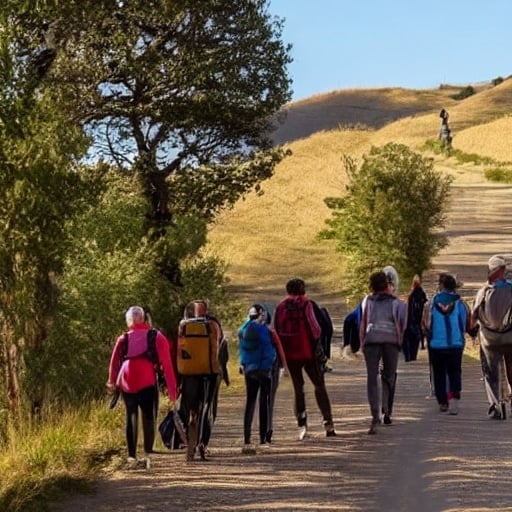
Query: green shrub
x=464 y=93
x=499 y=174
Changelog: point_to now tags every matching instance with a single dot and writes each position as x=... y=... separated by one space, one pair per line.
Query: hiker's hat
x=495 y=262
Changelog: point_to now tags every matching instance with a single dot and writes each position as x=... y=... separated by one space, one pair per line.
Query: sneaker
x=248 y=449
x=131 y=463
x=303 y=433
x=443 y=407
x=387 y=419
x=268 y=436
x=327 y=369
x=453 y=406
x=330 y=433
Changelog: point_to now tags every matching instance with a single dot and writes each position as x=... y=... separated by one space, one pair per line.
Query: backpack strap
x=151 y=351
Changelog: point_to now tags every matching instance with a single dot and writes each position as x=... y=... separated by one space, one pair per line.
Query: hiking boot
x=248 y=449
x=131 y=463
x=453 y=406
x=303 y=433
x=202 y=451
x=373 y=427
x=329 y=429
x=443 y=407
x=387 y=419
x=493 y=413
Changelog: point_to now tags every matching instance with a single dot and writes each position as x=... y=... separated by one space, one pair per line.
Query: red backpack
x=293 y=330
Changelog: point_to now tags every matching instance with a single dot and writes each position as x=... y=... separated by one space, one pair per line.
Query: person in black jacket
x=325 y=322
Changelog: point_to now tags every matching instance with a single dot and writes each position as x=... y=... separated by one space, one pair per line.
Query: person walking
x=133 y=373
x=491 y=314
x=413 y=335
x=278 y=368
x=257 y=357
x=446 y=319
x=299 y=332
x=383 y=321
x=202 y=356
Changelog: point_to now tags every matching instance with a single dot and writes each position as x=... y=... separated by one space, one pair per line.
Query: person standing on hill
x=445 y=134
x=382 y=326
x=298 y=329
x=132 y=370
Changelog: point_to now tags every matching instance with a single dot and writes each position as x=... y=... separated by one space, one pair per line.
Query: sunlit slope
x=372 y=108
x=267 y=239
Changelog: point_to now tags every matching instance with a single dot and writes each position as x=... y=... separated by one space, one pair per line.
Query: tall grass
x=264 y=240
x=39 y=461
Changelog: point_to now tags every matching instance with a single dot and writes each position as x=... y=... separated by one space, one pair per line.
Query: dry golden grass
x=268 y=239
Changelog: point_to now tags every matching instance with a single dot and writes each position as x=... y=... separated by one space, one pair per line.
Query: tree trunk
x=13 y=380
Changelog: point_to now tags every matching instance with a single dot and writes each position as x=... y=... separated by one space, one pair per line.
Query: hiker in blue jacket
x=257 y=356
x=445 y=320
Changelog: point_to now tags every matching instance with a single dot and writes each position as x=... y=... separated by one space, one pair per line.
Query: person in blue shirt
x=445 y=320
x=257 y=356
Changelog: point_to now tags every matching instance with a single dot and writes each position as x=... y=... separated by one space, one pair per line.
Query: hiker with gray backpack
x=492 y=313
x=382 y=327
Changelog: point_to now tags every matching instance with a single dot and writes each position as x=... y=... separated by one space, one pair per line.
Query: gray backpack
x=381 y=327
x=495 y=310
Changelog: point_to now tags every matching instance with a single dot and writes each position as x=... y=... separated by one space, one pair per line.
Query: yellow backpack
x=198 y=348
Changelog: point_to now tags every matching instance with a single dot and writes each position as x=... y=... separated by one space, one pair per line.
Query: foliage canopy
x=393 y=213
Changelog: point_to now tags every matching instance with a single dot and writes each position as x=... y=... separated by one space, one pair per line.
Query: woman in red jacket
x=133 y=372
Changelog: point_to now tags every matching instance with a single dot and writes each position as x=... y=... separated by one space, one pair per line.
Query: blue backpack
x=256 y=349
x=351 y=329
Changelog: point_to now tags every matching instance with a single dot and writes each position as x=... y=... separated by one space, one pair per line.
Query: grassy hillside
x=270 y=238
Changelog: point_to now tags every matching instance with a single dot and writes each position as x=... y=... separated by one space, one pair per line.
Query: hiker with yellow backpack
x=201 y=359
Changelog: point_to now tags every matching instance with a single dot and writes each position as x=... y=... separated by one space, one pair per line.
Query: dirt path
x=425 y=461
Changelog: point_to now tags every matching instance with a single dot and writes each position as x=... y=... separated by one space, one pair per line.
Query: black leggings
x=146 y=399
x=257 y=382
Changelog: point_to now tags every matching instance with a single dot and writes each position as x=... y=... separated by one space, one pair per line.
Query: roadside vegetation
x=132 y=196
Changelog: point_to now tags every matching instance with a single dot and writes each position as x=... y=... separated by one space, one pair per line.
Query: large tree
x=40 y=188
x=181 y=93
x=393 y=213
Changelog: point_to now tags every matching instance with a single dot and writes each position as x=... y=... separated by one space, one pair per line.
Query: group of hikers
x=295 y=338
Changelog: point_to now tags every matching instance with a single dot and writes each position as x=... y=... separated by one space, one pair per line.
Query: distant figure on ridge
x=445 y=134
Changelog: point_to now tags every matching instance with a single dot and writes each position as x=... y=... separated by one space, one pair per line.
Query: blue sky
x=416 y=44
